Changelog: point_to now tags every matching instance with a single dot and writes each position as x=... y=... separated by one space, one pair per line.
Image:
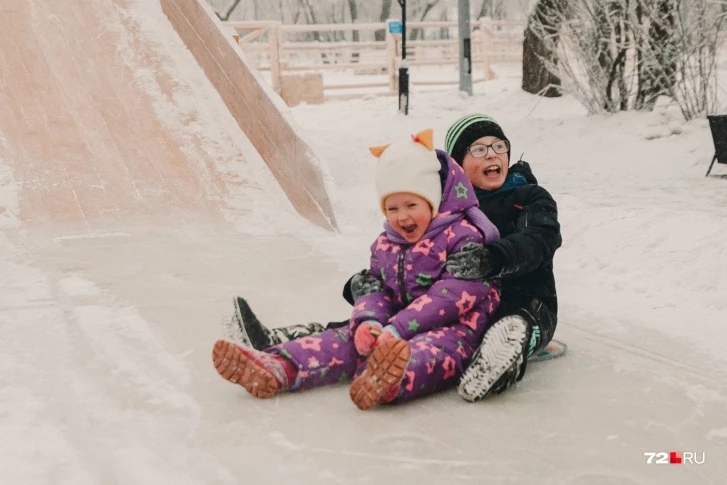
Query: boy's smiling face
x=488 y=172
x=408 y=214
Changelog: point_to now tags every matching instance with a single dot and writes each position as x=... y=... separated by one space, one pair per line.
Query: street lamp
x=403 y=68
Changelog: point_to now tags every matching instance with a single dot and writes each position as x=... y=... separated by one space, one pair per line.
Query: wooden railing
x=283 y=49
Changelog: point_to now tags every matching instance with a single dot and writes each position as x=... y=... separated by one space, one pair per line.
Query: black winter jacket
x=527 y=218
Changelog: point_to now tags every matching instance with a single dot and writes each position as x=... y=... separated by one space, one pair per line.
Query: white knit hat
x=409 y=166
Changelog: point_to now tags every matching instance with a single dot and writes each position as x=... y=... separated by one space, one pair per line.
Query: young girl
x=414 y=327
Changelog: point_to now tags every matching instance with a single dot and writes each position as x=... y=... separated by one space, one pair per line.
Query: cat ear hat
x=409 y=166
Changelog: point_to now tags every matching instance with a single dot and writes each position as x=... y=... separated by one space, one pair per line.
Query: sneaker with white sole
x=381 y=380
x=500 y=360
x=262 y=375
x=245 y=328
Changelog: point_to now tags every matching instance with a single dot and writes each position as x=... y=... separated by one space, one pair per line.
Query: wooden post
x=275 y=41
x=392 y=69
x=487 y=47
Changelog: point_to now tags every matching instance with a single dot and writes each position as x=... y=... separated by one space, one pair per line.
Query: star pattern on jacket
x=424 y=279
x=436 y=334
x=470 y=320
x=382 y=243
x=461 y=351
x=465 y=303
x=449 y=366
x=467 y=225
x=461 y=191
x=449 y=233
x=311 y=343
x=409 y=376
x=423 y=246
x=420 y=303
x=335 y=361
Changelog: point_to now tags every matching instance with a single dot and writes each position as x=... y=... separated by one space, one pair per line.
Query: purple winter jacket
x=418 y=293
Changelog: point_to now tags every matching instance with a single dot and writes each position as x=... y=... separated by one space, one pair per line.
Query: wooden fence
x=303 y=53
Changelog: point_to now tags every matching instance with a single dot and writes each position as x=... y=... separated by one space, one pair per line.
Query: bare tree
x=485 y=9
x=353 y=9
x=230 y=9
x=428 y=6
x=544 y=23
x=624 y=54
x=498 y=11
x=613 y=47
x=657 y=66
x=383 y=17
x=310 y=16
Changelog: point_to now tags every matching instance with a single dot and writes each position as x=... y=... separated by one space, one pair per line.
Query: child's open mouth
x=410 y=229
x=493 y=171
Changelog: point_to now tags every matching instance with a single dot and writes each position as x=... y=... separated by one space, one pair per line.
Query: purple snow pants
x=438 y=359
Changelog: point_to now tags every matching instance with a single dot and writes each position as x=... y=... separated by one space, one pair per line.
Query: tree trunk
x=227 y=14
x=499 y=10
x=419 y=33
x=385 y=15
x=485 y=8
x=353 y=8
x=661 y=77
x=544 y=21
x=611 y=36
x=310 y=16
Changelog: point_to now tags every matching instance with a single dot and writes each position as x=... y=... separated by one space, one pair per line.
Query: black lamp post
x=403 y=68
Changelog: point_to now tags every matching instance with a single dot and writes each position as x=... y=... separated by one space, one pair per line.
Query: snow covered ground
x=105 y=361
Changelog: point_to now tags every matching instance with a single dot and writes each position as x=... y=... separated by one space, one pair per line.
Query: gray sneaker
x=499 y=362
x=245 y=328
x=292 y=332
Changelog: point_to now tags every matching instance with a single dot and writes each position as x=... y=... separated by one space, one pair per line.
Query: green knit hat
x=467 y=130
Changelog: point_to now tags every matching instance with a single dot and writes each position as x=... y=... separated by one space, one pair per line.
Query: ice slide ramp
x=100 y=120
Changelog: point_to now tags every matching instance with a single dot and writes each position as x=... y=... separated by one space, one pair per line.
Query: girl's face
x=408 y=214
x=487 y=172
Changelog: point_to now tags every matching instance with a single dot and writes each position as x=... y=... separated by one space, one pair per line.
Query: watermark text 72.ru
x=675 y=457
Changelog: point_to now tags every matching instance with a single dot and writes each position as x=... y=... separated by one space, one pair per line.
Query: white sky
x=105 y=368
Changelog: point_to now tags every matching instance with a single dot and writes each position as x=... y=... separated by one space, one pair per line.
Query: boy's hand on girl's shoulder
x=472 y=262
x=362 y=283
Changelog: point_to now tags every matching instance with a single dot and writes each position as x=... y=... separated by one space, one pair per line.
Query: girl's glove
x=366 y=335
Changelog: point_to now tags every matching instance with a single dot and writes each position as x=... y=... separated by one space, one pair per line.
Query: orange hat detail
x=410 y=166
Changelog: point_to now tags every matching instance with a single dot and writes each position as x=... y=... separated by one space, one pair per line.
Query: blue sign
x=395 y=27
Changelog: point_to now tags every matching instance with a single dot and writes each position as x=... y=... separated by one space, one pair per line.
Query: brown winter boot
x=262 y=375
x=383 y=375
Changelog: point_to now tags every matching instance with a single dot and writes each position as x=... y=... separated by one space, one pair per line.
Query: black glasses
x=480 y=150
